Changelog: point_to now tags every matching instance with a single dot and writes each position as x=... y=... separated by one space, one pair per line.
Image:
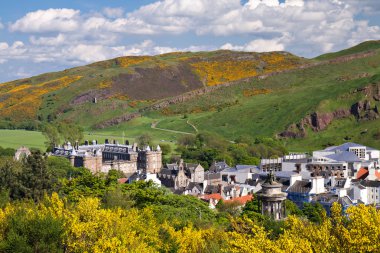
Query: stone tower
x=272 y=199
x=150 y=161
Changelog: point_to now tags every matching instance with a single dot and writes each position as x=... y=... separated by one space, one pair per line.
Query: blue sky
x=49 y=35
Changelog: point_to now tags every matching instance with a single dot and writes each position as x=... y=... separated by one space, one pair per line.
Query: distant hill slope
x=362 y=47
x=128 y=83
x=307 y=103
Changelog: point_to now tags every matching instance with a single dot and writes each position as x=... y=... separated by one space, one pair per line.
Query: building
x=239 y=173
x=21 y=153
x=291 y=162
x=373 y=191
x=104 y=157
x=178 y=176
x=272 y=199
x=302 y=190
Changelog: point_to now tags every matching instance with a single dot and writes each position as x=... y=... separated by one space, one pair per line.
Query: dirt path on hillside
x=154 y=126
x=193 y=126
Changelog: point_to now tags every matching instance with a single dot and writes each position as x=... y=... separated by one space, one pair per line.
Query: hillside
x=362 y=47
x=128 y=83
x=307 y=103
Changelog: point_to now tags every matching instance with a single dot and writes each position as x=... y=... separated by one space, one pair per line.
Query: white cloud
x=1 y=26
x=113 y=12
x=259 y=45
x=51 y=20
x=307 y=28
x=49 y=41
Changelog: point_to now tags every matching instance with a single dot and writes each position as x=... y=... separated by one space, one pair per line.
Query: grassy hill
x=362 y=47
x=126 y=84
x=229 y=93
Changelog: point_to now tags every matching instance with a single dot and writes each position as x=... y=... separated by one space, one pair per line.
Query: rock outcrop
x=319 y=121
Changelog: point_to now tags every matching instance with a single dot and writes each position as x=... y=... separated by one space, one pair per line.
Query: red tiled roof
x=212 y=196
x=377 y=174
x=242 y=200
x=362 y=173
x=122 y=180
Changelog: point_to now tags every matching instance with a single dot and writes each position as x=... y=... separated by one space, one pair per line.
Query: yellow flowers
x=87 y=227
x=21 y=102
x=131 y=60
x=217 y=72
x=254 y=92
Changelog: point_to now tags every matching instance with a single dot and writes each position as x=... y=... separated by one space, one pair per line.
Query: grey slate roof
x=210 y=189
x=344 y=156
x=191 y=185
x=346 y=146
x=370 y=183
x=212 y=176
x=218 y=166
x=300 y=186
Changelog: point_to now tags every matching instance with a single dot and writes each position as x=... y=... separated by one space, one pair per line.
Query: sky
x=39 y=36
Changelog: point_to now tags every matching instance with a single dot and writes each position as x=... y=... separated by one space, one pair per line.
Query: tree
x=70 y=132
x=7 y=151
x=35 y=178
x=186 y=140
x=292 y=208
x=52 y=135
x=10 y=172
x=60 y=167
x=166 y=149
x=144 y=140
x=314 y=212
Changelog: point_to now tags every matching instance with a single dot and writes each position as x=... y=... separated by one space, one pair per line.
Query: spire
x=158 y=148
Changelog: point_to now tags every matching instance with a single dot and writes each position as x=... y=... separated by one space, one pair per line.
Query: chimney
x=114 y=141
x=76 y=145
x=294 y=178
x=317 y=185
x=86 y=142
x=106 y=141
x=126 y=142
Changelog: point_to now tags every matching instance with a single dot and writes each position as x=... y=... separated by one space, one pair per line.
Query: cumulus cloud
x=259 y=45
x=307 y=28
x=1 y=26
x=51 y=20
x=113 y=12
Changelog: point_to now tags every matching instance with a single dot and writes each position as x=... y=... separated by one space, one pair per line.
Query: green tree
x=7 y=151
x=70 y=132
x=32 y=234
x=144 y=140
x=10 y=172
x=52 y=135
x=292 y=208
x=314 y=212
x=35 y=178
x=166 y=149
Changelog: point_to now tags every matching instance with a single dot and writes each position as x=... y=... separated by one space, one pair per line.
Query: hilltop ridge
x=307 y=101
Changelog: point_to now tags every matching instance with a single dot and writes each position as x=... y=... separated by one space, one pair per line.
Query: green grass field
x=17 y=138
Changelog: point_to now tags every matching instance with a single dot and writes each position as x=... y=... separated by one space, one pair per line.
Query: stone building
x=104 y=157
x=21 y=153
x=150 y=161
x=272 y=199
x=179 y=176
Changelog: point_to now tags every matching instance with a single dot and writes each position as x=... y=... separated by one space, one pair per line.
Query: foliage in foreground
x=56 y=225
x=93 y=213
